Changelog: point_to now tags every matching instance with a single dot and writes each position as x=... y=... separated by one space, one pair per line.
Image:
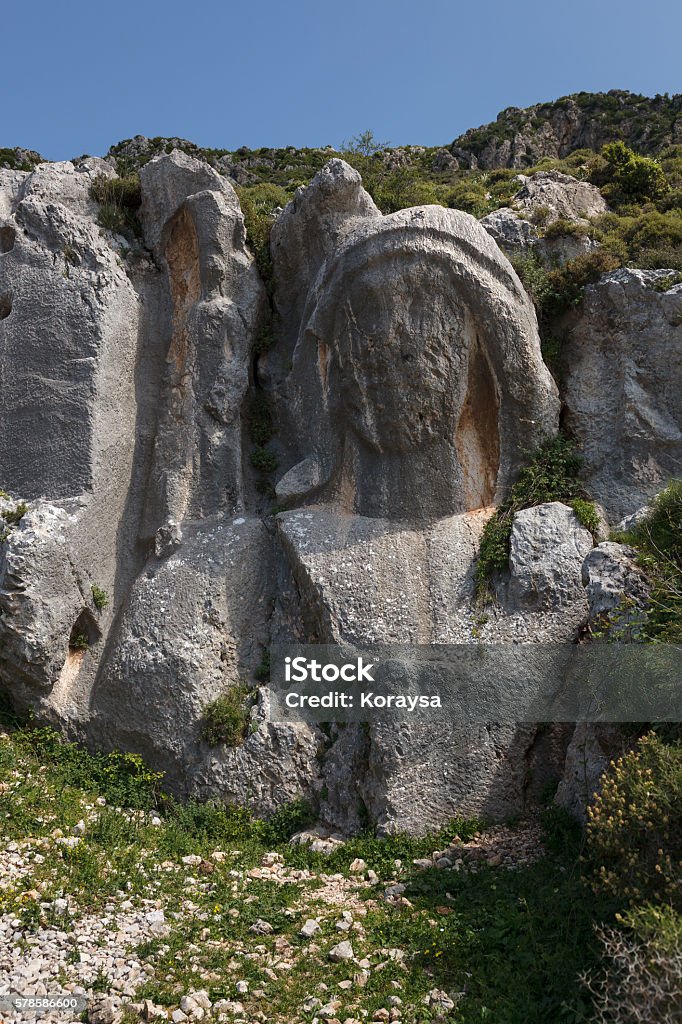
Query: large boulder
x=556 y=196
x=622 y=360
x=548 y=548
x=616 y=586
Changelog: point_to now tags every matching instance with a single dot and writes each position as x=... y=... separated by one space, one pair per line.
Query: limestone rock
x=623 y=364
x=612 y=578
x=341 y=951
x=510 y=231
x=589 y=753
x=560 y=196
x=215 y=304
x=405 y=383
x=44 y=597
x=391 y=358
x=310 y=229
x=548 y=548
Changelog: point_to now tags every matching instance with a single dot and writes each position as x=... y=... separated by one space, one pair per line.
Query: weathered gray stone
x=560 y=195
x=589 y=754
x=623 y=363
x=614 y=583
x=509 y=230
x=548 y=548
x=215 y=304
x=391 y=358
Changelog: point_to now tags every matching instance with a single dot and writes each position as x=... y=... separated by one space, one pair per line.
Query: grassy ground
x=500 y=943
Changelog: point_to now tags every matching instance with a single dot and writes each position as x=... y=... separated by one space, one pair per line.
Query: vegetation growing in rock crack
x=226 y=719
x=658 y=540
x=99 y=597
x=550 y=475
x=119 y=201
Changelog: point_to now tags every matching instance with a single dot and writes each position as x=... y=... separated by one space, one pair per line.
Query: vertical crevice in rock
x=182 y=257
x=478 y=438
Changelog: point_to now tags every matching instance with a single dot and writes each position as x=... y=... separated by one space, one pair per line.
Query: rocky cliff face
x=522 y=137
x=404 y=386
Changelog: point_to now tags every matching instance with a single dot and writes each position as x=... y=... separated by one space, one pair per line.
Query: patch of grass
x=258 y=203
x=119 y=201
x=226 y=719
x=99 y=597
x=551 y=475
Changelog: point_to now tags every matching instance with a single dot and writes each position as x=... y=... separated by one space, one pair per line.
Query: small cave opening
x=84 y=633
x=5 y=306
x=7 y=238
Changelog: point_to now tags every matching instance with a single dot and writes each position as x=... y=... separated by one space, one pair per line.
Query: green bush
x=78 y=641
x=587 y=515
x=99 y=597
x=263 y=460
x=226 y=719
x=561 y=228
x=551 y=475
x=260 y=419
x=626 y=177
x=634 y=826
x=258 y=203
x=121 y=192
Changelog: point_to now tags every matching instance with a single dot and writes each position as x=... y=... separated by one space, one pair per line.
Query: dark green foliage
x=19 y=159
x=551 y=475
x=260 y=419
x=78 y=641
x=563 y=287
x=263 y=460
x=286 y=821
x=561 y=228
x=626 y=177
x=262 y=672
x=100 y=598
x=226 y=719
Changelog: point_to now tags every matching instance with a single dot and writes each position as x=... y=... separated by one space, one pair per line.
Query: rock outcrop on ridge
x=146 y=575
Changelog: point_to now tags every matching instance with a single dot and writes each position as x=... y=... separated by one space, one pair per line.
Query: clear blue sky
x=79 y=75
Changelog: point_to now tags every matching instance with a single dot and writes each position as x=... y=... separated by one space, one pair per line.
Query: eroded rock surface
x=148 y=574
x=623 y=366
x=416 y=375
